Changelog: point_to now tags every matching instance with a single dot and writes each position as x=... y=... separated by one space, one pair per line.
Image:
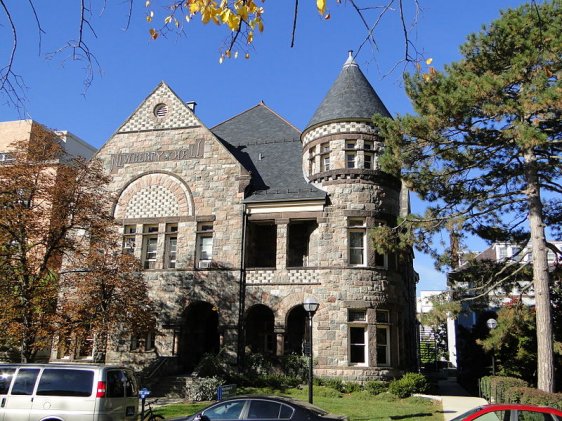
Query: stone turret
x=341 y=146
x=370 y=293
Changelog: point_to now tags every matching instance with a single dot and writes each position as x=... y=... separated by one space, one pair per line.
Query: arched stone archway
x=260 y=337
x=295 y=330
x=199 y=335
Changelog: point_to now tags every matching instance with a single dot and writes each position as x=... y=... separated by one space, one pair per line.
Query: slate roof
x=350 y=98
x=270 y=148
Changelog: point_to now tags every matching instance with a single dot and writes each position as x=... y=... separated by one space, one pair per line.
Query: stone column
x=280 y=336
x=282 y=231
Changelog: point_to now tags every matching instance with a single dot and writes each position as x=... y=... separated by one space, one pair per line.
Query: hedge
x=494 y=388
x=500 y=389
x=531 y=396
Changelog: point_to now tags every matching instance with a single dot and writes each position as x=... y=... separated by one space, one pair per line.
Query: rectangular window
x=171 y=246
x=356 y=242
x=368 y=161
x=502 y=252
x=382 y=316
x=325 y=157
x=145 y=342
x=129 y=232
x=204 y=244
x=350 y=160
x=381 y=260
x=350 y=144
x=63 y=382
x=357 y=345
x=383 y=348
x=368 y=145
x=150 y=246
x=25 y=381
x=356 y=315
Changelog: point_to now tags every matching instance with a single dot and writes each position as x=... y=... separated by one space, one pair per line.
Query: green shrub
x=375 y=387
x=202 y=388
x=295 y=365
x=531 y=396
x=409 y=384
x=214 y=365
x=499 y=386
x=485 y=387
x=326 y=392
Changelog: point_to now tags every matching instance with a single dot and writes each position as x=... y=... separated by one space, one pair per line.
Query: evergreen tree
x=485 y=147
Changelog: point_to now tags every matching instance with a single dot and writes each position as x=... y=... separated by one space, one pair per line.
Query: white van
x=67 y=392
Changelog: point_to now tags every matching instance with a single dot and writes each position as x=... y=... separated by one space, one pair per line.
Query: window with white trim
x=146 y=342
x=382 y=318
x=204 y=253
x=325 y=157
x=350 y=159
x=171 y=245
x=357 y=233
x=129 y=239
x=150 y=246
x=357 y=336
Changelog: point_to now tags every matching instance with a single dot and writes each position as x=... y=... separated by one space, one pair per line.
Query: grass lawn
x=358 y=406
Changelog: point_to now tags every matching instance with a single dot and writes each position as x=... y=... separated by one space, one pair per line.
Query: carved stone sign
x=192 y=151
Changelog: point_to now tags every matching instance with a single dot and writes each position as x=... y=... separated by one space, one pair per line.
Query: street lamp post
x=492 y=324
x=310 y=306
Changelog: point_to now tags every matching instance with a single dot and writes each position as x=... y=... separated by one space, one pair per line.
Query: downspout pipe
x=242 y=294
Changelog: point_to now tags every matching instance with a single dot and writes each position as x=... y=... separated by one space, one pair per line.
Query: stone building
x=237 y=224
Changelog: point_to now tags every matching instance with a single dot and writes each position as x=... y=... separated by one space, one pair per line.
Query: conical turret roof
x=351 y=97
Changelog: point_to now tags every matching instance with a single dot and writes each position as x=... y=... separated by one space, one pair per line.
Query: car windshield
x=467 y=413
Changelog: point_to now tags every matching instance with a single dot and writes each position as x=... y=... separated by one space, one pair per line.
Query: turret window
x=325 y=157
x=351 y=160
x=368 y=161
x=356 y=242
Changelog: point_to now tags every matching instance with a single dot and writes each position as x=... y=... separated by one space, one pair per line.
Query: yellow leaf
x=147 y=3
x=149 y=18
x=428 y=61
x=247 y=55
x=327 y=17
x=153 y=33
x=167 y=20
x=321 y=6
x=250 y=37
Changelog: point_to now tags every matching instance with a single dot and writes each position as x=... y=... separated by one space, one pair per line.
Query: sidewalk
x=455 y=399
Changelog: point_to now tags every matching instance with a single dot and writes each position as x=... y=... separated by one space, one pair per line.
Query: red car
x=510 y=412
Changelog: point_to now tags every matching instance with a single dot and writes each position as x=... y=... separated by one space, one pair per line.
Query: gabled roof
x=143 y=118
x=350 y=98
x=269 y=147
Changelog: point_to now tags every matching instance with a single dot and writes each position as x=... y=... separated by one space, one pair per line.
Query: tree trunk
x=545 y=358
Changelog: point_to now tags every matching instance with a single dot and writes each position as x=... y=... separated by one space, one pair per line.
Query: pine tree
x=485 y=148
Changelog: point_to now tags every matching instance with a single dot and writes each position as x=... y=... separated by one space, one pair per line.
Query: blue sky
x=292 y=81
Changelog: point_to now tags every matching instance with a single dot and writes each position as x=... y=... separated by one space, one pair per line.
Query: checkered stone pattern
x=260 y=276
x=336 y=128
x=178 y=115
x=303 y=277
x=152 y=202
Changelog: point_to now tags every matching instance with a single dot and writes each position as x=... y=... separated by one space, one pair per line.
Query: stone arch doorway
x=260 y=337
x=295 y=330
x=200 y=334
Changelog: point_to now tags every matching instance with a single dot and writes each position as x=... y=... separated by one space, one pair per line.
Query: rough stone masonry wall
x=211 y=190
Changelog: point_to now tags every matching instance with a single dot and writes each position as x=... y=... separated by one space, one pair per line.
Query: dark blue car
x=262 y=408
